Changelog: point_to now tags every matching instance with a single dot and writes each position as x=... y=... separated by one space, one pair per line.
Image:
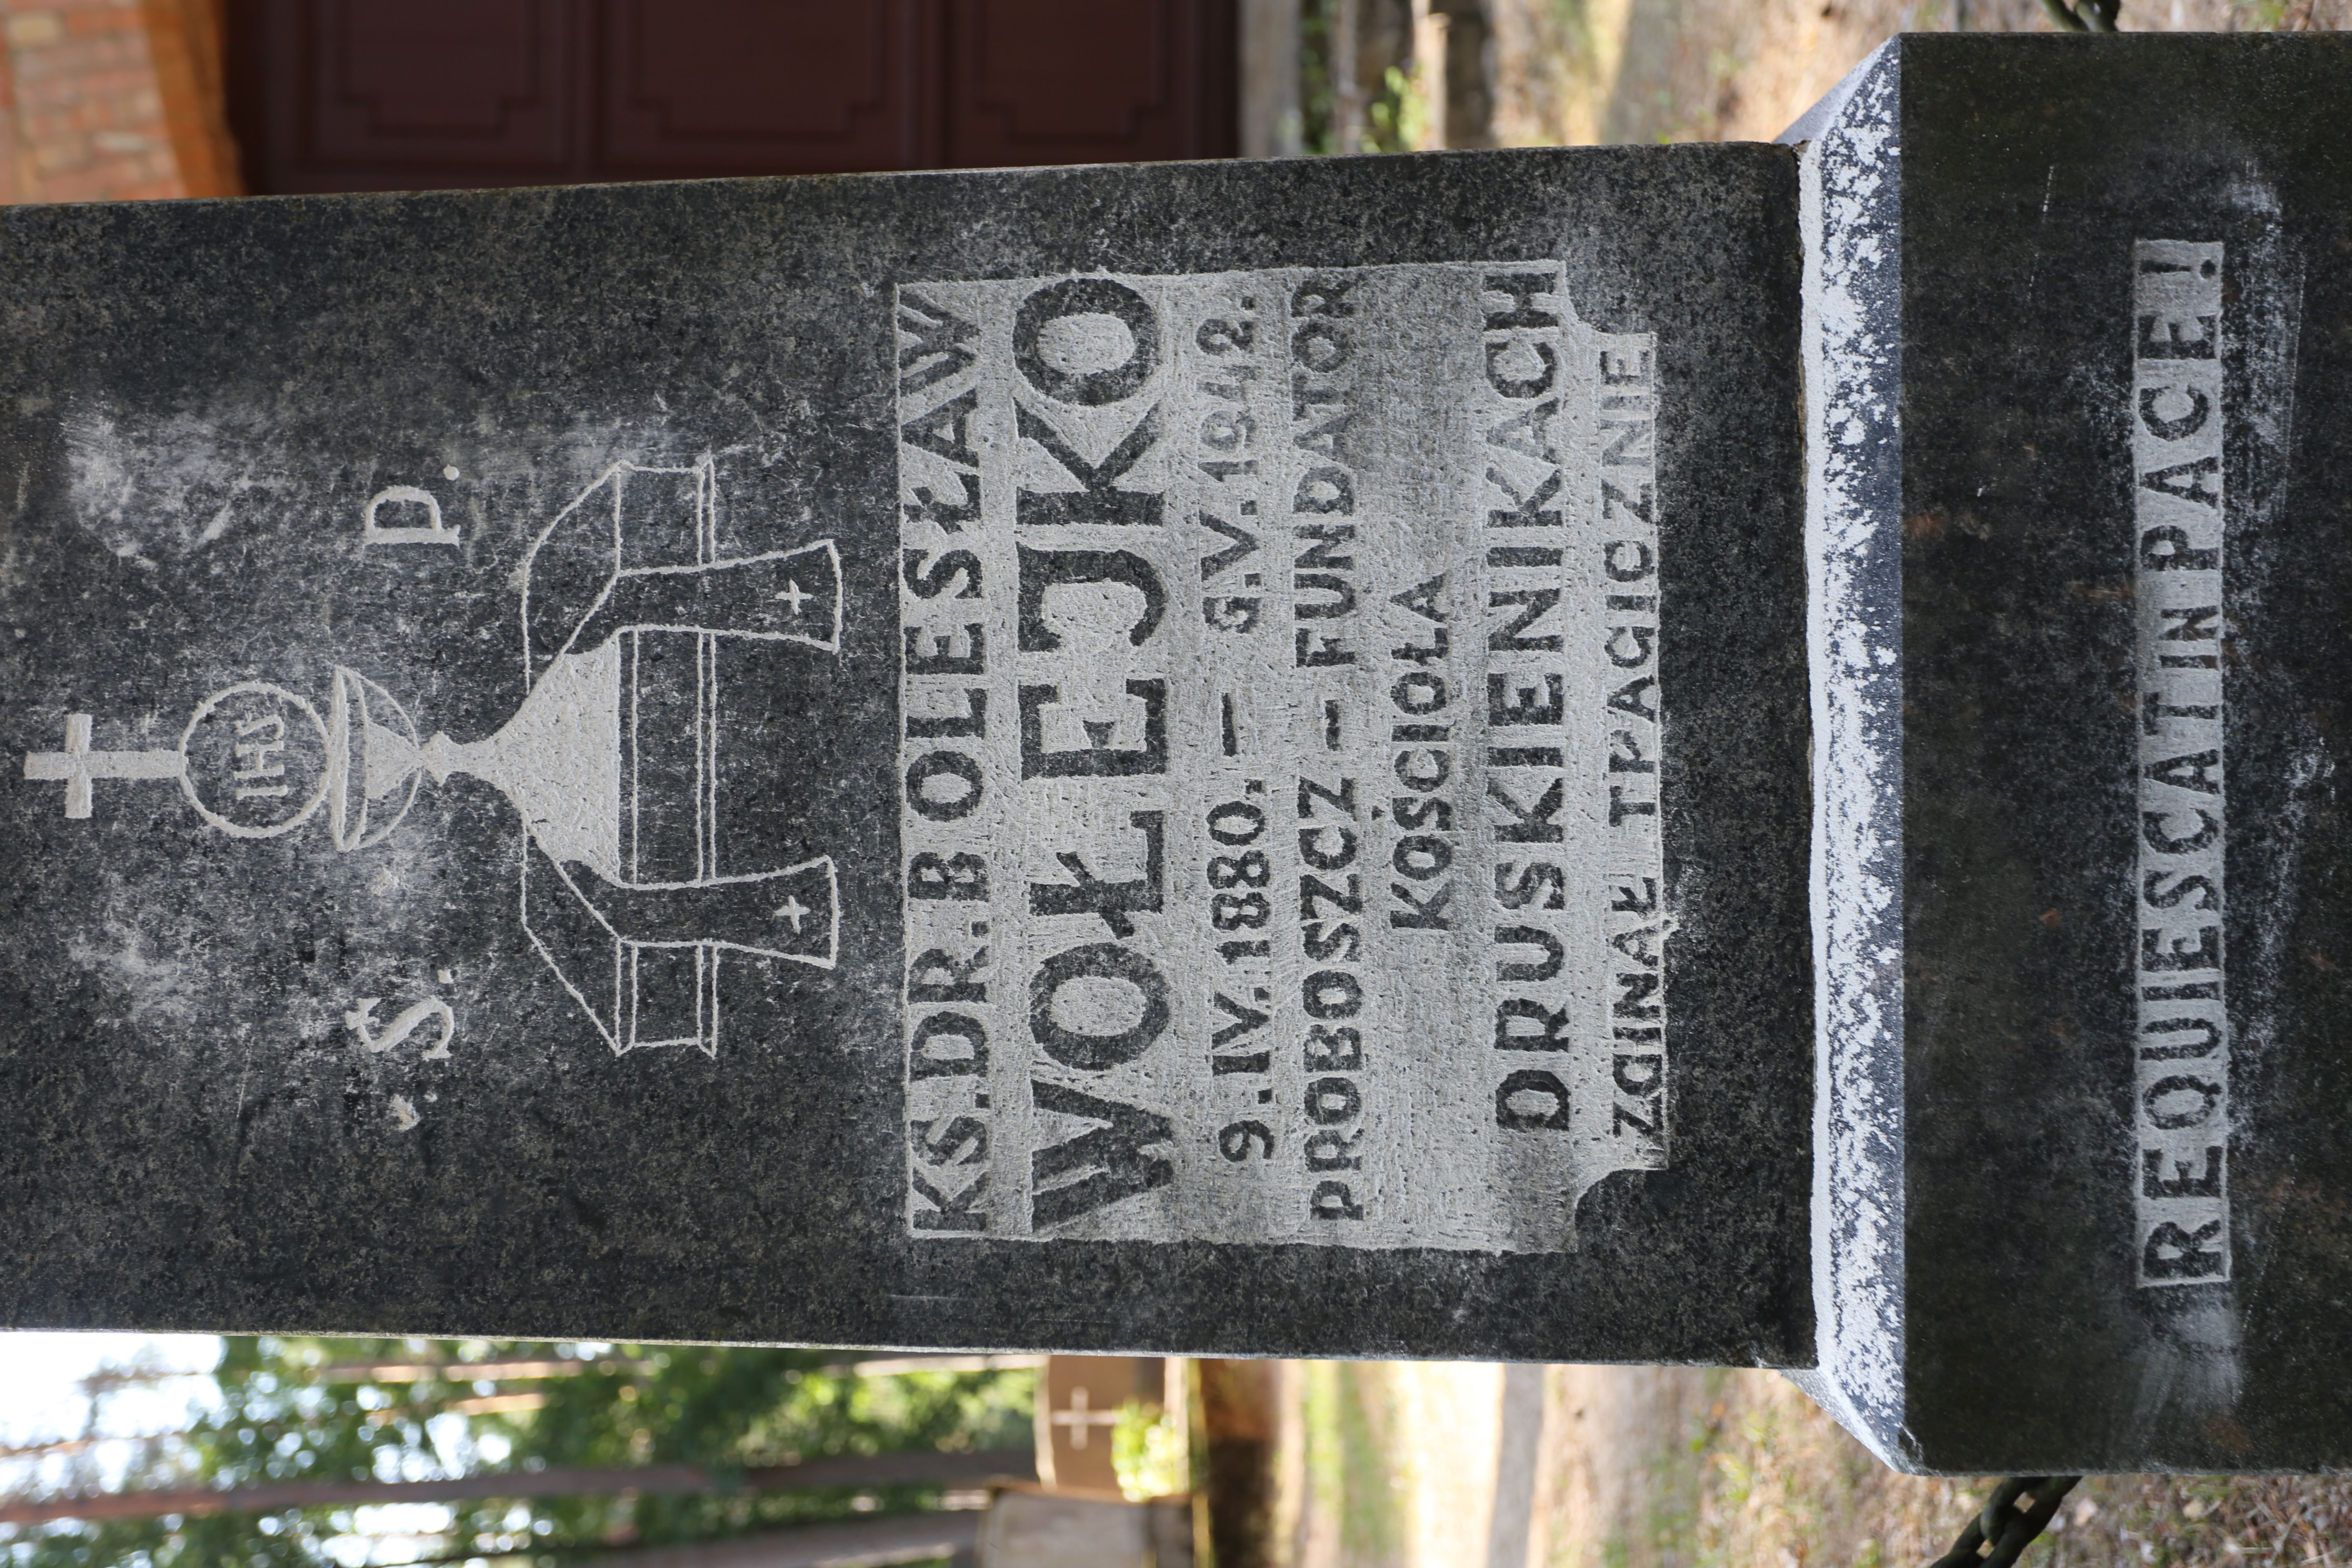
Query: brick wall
x=112 y=100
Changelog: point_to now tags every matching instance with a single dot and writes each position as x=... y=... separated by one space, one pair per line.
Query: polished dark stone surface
x=195 y=1132
x=2027 y=168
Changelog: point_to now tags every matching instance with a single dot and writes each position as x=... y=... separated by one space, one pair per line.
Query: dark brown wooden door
x=355 y=95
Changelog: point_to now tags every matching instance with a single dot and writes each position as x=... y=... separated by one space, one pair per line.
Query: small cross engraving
x=794 y=596
x=77 y=765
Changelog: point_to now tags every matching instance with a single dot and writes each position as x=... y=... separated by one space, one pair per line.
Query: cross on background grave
x=1078 y=1416
x=77 y=765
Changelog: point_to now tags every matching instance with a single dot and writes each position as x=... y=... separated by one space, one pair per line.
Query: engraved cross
x=77 y=765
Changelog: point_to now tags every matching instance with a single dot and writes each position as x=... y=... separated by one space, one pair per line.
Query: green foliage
x=1400 y=116
x=278 y=1418
x=1147 y=1452
x=1396 y=117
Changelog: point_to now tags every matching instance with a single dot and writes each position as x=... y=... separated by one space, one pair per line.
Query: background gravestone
x=2079 y=319
x=533 y=706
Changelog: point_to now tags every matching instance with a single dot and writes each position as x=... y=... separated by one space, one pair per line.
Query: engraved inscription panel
x=2181 y=1091
x=1279 y=766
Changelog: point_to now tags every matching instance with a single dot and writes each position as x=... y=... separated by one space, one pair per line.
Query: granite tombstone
x=2079 y=349
x=1216 y=758
x=1203 y=758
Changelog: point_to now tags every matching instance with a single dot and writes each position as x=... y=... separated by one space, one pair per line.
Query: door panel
x=479 y=78
x=1062 y=71
x=353 y=95
x=343 y=95
x=759 y=85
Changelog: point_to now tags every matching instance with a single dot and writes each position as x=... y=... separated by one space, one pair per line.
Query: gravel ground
x=1681 y=1469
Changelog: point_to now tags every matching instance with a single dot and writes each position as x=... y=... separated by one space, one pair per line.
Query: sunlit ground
x=1689 y=1468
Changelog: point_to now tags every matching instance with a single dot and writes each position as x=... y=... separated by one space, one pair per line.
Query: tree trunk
x=1239 y=1418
